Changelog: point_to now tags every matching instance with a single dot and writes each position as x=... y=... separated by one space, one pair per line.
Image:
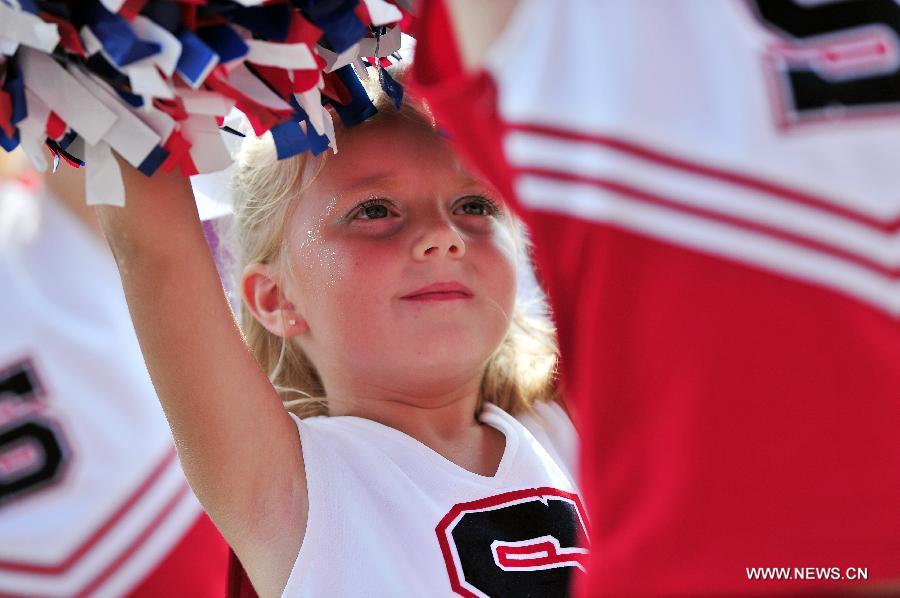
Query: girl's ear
x=265 y=298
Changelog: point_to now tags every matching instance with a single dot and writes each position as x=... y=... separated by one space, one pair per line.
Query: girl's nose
x=441 y=239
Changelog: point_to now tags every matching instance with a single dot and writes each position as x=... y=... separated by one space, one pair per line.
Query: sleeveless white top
x=389 y=516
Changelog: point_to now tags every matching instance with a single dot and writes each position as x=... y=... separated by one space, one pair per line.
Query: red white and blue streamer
x=154 y=80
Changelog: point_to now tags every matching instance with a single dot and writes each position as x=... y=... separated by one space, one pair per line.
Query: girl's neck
x=444 y=423
x=438 y=415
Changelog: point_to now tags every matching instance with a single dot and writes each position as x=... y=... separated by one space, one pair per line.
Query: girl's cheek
x=310 y=231
x=330 y=267
x=346 y=262
x=504 y=240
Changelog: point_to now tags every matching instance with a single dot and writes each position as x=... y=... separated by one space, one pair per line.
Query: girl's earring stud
x=292 y=322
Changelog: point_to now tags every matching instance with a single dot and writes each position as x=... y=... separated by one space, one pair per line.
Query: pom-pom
x=153 y=80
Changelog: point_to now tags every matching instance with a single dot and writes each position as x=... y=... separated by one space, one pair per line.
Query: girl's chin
x=457 y=363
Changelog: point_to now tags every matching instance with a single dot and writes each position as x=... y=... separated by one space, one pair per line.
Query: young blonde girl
x=379 y=288
x=520 y=373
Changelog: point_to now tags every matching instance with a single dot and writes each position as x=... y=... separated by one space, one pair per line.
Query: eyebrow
x=389 y=178
x=372 y=180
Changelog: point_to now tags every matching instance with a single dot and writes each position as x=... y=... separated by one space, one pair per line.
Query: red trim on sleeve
x=464 y=103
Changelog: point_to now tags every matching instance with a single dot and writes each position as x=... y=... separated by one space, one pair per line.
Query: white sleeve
x=550 y=426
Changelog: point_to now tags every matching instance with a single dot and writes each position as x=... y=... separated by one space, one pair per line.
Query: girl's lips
x=438 y=297
x=440 y=291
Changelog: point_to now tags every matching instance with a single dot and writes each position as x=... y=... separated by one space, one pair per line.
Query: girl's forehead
x=389 y=153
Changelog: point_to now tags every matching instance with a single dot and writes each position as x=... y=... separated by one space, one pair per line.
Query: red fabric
x=239 y=585
x=335 y=89
x=6 y=114
x=306 y=79
x=197 y=567
x=362 y=13
x=56 y=126
x=408 y=22
x=383 y=61
x=277 y=80
x=173 y=107
x=179 y=155
x=68 y=36
x=302 y=31
x=261 y=118
x=474 y=124
x=132 y=8
x=188 y=14
x=706 y=392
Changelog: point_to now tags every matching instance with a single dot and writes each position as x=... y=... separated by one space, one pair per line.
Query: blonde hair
x=520 y=372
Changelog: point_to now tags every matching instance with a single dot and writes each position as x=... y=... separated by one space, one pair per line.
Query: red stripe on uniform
x=137 y=542
x=655 y=199
x=720 y=174
x=102 y=531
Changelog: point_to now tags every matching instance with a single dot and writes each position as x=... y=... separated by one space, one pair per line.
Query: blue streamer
x=339 y=24
x=270 y=22
x=290 y=139
x=67 y=139
x=153 y=160
x=390 y=86
x=343 y=30
x=290 y=145
x=196 y=57
x=317 y=143
x=9 y=143
x=15 y=87
x=119 y=41
x=28 y=6
x=133 y=100
x=224 y=41
x=361 y=107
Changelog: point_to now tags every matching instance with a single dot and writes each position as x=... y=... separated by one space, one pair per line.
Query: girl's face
x=402 y=264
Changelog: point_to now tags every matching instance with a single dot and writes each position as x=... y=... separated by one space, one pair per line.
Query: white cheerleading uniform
x=388 y=516
x=92 y=497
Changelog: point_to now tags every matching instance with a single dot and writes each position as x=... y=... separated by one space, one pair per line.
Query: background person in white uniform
x=92 y=497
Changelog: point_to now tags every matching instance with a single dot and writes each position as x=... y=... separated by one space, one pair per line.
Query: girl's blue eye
x=477 y=206
x=372 y=209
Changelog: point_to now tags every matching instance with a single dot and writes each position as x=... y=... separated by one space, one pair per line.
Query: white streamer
x=103 y=183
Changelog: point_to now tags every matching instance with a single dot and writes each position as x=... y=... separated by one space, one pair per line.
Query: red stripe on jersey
x=151 y=527
x=632 y=192
x=70 y=561
x=720 y=174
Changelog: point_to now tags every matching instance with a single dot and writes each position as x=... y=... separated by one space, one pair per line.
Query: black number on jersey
x=32 y=451
x=836 y=58
x=522 y=543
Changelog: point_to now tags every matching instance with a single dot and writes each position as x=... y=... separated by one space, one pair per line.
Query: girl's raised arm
x=238 y=446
